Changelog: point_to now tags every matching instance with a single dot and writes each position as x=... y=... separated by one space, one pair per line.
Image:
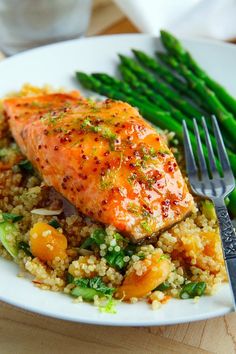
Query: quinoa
x=192 y=247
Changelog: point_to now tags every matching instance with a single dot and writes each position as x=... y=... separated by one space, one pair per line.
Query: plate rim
x=116 y=35
x=111 y=322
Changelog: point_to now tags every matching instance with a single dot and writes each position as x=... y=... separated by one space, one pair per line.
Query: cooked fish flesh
x=104 y=158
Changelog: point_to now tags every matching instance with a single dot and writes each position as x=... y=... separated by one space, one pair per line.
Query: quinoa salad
x=62 y=250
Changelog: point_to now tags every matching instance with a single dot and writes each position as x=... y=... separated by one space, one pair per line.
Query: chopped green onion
x=87 y=243
x=97 y=238
x=118 y=237
x=130 y=249
x=163 y=286
x=116 y=259
x=95 y=283
x=69 y=278
x=109 y=306
x=86 y=293
x=141 y=255
x=94 y=286
x=54 y=223
x=25 y=247
x=26 y=165
x=191 y=290
x=7 y=231
x=11 y=217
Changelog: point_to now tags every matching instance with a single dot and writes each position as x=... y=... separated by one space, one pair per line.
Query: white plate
x=56 y=65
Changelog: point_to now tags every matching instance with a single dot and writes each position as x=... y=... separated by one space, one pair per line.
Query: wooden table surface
x=22 y=332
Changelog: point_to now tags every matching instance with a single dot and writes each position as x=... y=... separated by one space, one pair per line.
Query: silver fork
x=215 y=187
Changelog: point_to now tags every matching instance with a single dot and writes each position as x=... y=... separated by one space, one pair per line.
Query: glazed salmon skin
x=104 y=158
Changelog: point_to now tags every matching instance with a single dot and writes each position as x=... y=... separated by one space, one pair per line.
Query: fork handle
x=228 y=238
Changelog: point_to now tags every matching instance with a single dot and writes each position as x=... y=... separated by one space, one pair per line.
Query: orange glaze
x=104 y=158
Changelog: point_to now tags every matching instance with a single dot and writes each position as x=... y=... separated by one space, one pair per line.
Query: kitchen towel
x=205 y=18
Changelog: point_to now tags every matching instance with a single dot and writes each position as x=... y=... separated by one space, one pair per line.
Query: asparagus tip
x=159 y=54
x=81 y=74
x=121 y=56
x=96 y=74
x=135 y=51
x=164 y=33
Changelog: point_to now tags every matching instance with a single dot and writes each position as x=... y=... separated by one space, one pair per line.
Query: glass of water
x=26 y=24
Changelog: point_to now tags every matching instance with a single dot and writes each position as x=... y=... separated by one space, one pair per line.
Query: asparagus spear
x=162 y=71
x=174 y=47
x=226 y=118
x=160 y=87
x=149 y=111
x=137 y=88
x=169 y=94
x=141 y=91
x=120 y=86
x=181 y=86
x=159 y=117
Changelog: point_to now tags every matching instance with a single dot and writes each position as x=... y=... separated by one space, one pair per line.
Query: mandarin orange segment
x=47 y=243
x=139 y=286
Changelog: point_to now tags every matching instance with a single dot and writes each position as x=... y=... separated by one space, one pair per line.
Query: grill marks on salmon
x=104 y=158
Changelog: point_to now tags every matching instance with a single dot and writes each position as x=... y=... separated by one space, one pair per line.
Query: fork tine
x=189 y=156
x=223 y=156
x=201 y=158
x=211 y=157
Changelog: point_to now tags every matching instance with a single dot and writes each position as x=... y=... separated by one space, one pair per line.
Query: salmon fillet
x=104 y=158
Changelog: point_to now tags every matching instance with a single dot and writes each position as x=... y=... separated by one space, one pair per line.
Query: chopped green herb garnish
x=132 y=178
x=111 y=137
x=145 y=213
x=133 y=208
x=116 y=259
x=106 y=182
x=130 y=249
x=69 y=278
x=86 y=123
x=11 y=217
x=54 y=223
x=8 y=236
x=119 y=237
x=152 y=151
x=109 y=306
x=95 y=129
x=191 y=290
x=98 y=284
x=94 y=286
x=97 y=237
x=145 y=225
x=87 y=243
x=164 y=151
x=107 y=134
x=164 y=286
x=86 y=293
x=104 y=131
x=26 y=165
x=141 y=255
x=25 y=247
